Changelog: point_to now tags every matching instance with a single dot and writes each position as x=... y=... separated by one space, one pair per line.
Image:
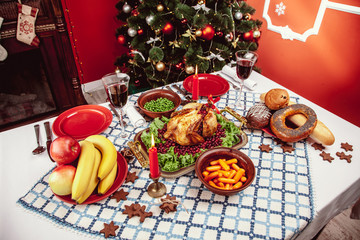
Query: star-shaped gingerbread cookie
x=318 y=146
x=326 y=156
x=135 y=209
x=129 y=210
x=287 y=148
x=145 y=215
x=169 y=204
x=265 y=148
x=131 y=177
x=343 y=156
x=120 y=195
x=109 y=229
x=346 y=146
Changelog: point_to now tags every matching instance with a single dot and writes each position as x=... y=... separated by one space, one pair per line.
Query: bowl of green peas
x=159 y=102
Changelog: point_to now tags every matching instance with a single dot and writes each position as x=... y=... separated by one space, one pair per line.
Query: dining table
x=293 y=196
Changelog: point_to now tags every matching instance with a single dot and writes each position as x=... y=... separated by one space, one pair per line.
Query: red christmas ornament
x=219 y=34
x=248 y=36
x=137 y=82
x=208 y=32
x=121 y=39
x=184 y=21
x=168 y=28
x=179 y=66
x=135 y=13
x=140 y=31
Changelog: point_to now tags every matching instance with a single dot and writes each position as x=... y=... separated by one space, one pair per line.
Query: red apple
x=64 y=150
x=61 y=179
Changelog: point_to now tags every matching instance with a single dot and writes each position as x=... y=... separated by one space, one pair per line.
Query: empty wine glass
x=245 y=61
x=116 y=86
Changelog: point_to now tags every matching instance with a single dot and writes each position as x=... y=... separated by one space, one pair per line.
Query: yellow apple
x=61 y=179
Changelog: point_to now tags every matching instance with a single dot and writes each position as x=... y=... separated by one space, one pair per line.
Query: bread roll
x=277 y=98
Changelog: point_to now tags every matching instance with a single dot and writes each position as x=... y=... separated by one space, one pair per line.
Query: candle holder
x=156 y=189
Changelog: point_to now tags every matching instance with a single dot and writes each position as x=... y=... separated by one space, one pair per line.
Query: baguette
x=321 y=133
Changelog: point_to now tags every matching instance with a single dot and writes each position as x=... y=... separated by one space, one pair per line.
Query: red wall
x=325 y=69
x=92 y=27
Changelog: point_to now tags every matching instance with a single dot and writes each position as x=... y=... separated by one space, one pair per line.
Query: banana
x=84 y=169
x=108 y=152
x=108 y=181
x=93 y=180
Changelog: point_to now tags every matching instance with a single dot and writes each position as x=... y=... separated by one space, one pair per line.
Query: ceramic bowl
x=244 y=161
x=155 y=94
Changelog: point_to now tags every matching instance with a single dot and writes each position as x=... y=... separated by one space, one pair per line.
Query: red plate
x=208 y=84
x=82 y=121
x=94 y=197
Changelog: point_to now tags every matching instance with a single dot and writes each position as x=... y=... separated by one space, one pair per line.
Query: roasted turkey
x=185 y=125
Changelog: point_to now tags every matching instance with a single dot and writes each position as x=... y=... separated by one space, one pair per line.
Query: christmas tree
x=168 y=38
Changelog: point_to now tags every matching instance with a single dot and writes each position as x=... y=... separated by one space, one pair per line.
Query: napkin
x=231 y=72
x=135 y=117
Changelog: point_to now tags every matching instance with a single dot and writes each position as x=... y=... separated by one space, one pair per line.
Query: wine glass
x=245 y=61
x=116 y=86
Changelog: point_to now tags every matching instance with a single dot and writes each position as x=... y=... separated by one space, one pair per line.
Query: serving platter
x=119 y=180
x=243 y=140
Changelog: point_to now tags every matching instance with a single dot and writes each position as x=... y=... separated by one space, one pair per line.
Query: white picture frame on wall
x=287 y=33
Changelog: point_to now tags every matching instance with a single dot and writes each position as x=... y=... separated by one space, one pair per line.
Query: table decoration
x=153 y=159
x=195 y=86
x=276 y=205
x=137 y=151
x=155 y=189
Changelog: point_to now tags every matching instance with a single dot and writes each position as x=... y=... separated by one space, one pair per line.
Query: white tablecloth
x=335 y=184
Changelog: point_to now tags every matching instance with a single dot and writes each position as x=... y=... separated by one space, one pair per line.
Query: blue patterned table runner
x=278 y=204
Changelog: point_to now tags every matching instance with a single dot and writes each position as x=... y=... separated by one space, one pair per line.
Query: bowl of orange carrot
x=225 y=171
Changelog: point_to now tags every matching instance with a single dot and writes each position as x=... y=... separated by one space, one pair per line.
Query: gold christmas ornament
x=198 y=33
x=160 y=8
x=189 y=69
x=160 y=66
x=201 y=2
x=247 y=16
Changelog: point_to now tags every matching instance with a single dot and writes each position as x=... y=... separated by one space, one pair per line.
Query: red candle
x=195 y=85
x=153 y=160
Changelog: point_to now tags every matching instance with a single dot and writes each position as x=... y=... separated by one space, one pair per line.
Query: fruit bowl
x=155 y=94
x=216 y=153
x=94 y=197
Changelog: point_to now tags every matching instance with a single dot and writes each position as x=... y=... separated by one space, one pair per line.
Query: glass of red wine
x=245 y=61
x=116 y=86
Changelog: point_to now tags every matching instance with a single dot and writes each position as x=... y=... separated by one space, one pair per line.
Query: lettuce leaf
x=231 y=132
x=153 y=129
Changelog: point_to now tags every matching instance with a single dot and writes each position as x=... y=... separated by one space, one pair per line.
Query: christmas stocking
x=26 y=25
x=3 y=52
